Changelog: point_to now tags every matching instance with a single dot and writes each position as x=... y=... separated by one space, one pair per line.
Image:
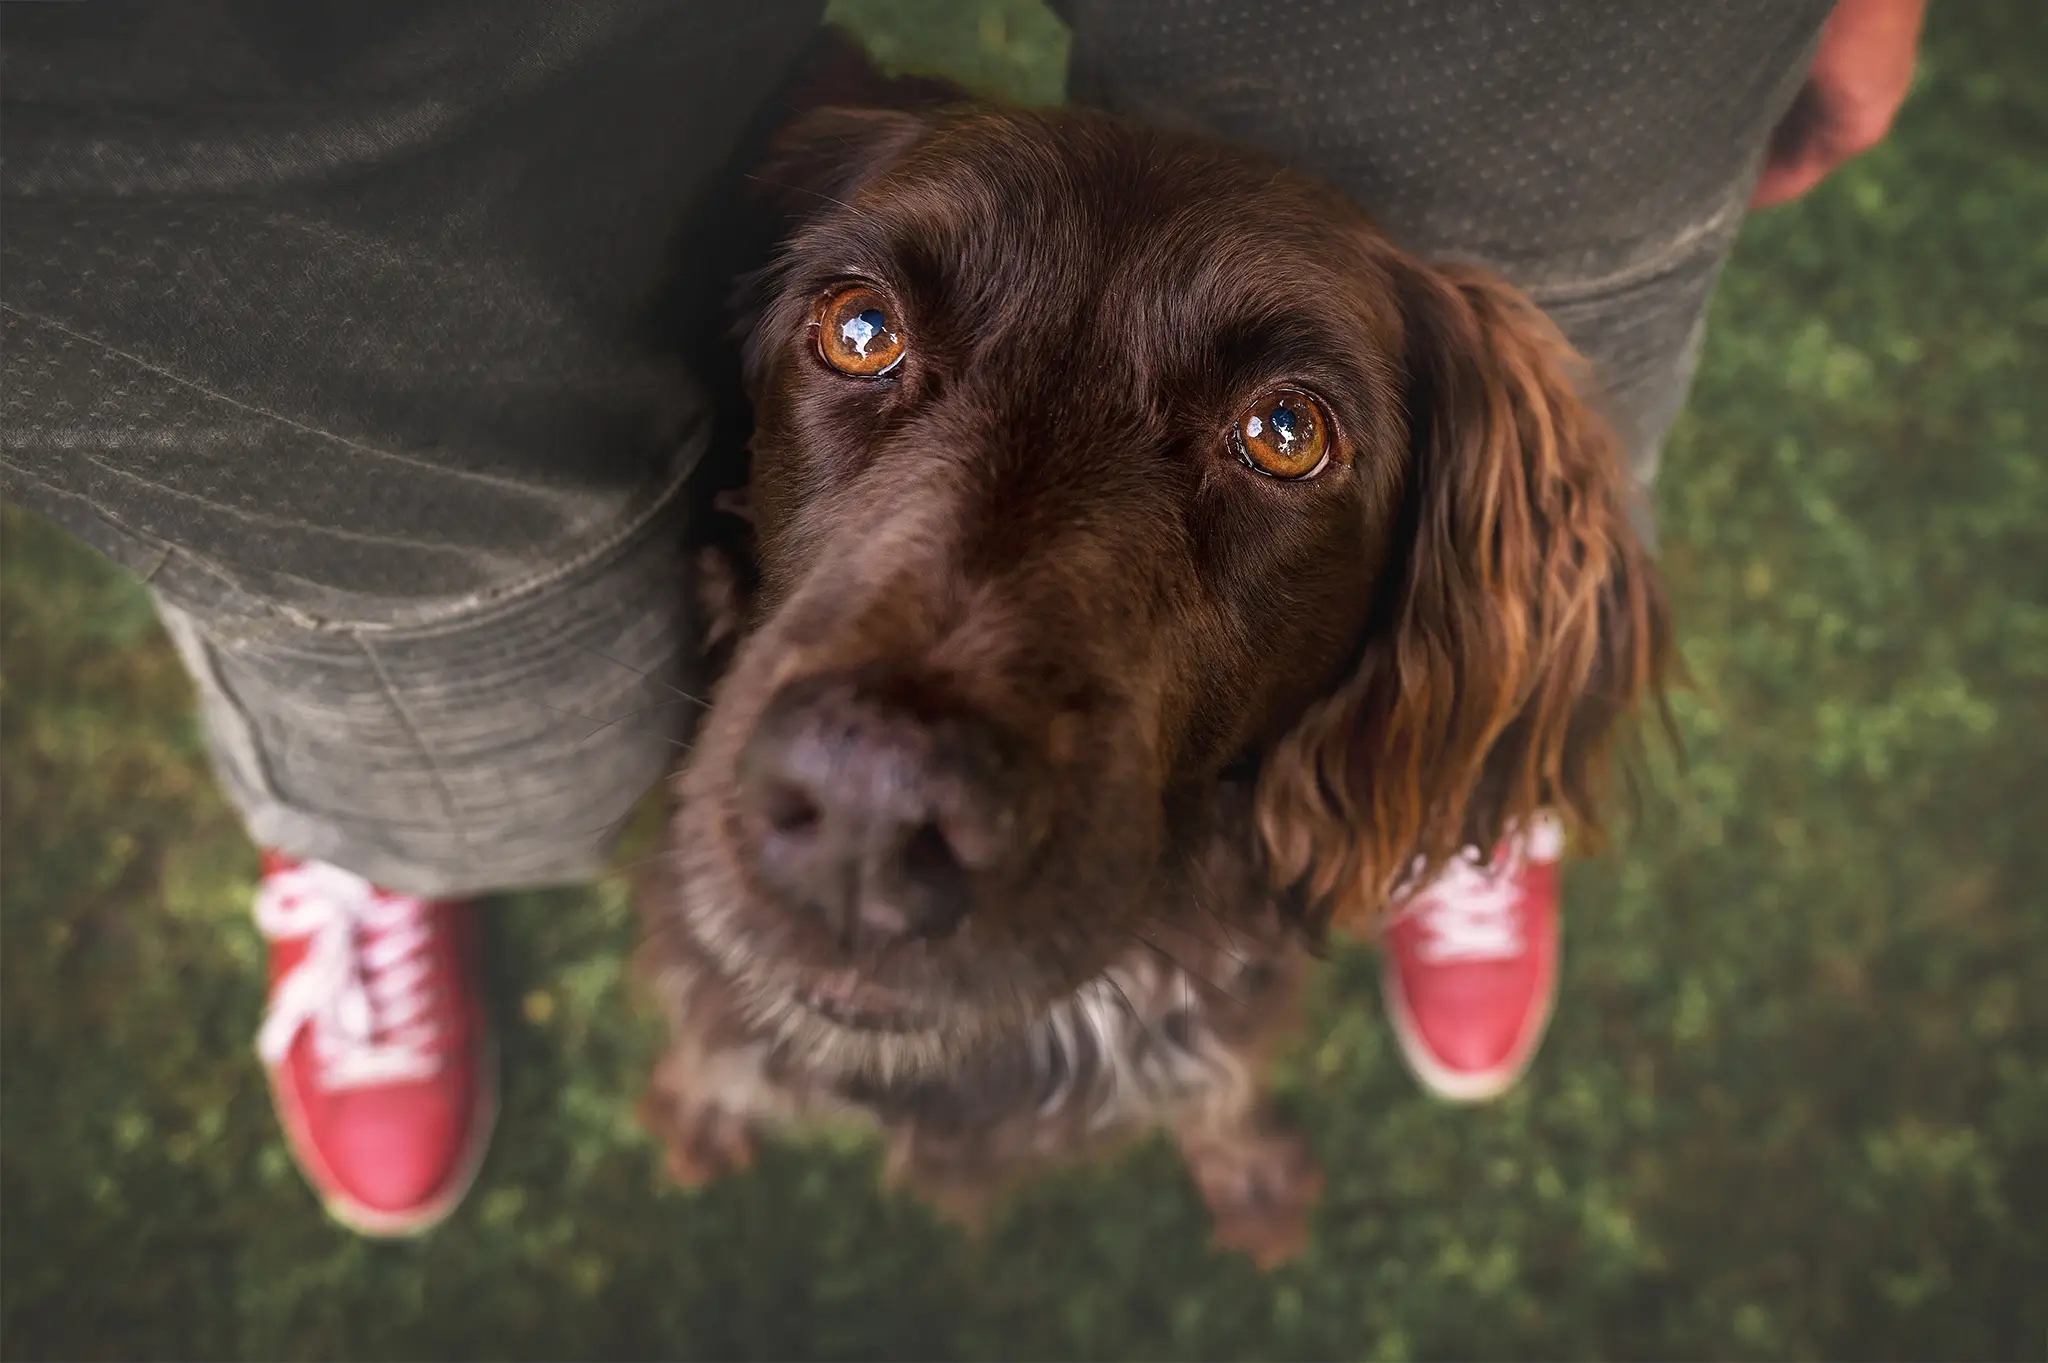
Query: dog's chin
x=826 y=1021
x=830 y=1024
x=822 y=1045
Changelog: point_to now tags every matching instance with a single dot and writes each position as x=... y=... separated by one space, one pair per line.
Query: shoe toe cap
x=395 y=1150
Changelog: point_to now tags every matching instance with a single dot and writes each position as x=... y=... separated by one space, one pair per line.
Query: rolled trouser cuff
x=494 y=749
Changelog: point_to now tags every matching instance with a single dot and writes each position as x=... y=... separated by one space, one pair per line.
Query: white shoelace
x=1468 y=911
x=363 y=984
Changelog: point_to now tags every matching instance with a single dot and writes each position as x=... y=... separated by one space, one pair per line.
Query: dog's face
x=1126 y=508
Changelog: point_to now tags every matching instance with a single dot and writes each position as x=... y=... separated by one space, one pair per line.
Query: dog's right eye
x=857 y=332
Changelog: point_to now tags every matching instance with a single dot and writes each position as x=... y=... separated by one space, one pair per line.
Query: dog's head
x=1127 y=507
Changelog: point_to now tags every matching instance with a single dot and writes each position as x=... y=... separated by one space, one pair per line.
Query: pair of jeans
x=351 y=330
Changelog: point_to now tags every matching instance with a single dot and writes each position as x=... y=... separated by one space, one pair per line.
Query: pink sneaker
x=378 y=1050
x=1469 y=966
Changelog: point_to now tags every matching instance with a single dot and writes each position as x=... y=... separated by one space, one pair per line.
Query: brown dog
x=1155 y=566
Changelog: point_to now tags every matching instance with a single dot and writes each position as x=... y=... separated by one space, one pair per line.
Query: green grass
x=1795 y=1102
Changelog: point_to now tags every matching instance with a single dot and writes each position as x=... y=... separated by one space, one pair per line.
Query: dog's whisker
x=1195 y=975
x=1144 y=1025
x=609 y=829
x=643 y=674
x=603 y=724
x=1203 y=906
x=635 y=714
x=601 y=832
x=855 y=209
x=649 y=933
x=1236 y=957
x=625 y=869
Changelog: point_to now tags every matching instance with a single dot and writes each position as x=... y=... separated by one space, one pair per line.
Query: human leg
x=345 y=332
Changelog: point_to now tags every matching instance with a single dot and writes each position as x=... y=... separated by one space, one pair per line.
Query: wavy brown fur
x=1529 y=618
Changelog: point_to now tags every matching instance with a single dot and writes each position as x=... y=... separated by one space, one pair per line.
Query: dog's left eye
x=857 y=332
x=1284 y=433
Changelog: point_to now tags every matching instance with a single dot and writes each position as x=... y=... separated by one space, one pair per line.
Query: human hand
x=1857 y=81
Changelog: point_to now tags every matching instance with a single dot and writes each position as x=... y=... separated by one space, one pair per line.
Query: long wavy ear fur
x=1524 y=618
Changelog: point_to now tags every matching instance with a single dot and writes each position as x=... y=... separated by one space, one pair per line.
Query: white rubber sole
x=1463 y=1086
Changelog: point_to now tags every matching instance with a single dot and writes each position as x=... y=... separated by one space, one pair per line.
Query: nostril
x=789 y=810
x=928 y=855
x=919 y=889
x=859 y=807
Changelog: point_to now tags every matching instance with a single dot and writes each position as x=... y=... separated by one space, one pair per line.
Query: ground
x=1795 y=1103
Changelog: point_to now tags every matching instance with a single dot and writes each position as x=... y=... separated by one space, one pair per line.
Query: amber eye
x=857 y=332
x=1285 y=433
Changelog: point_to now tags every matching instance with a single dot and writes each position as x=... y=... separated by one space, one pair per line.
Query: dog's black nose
x=872 y=814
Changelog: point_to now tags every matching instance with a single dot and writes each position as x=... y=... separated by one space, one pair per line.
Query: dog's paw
x=704 y=1142
x=1261 y=1187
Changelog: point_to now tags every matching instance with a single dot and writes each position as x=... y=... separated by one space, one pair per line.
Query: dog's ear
x=824 y=158
x=850 y=123
x=1522 y=617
